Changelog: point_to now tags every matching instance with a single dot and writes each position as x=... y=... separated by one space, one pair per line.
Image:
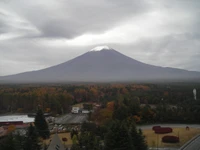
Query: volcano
x=102 y=64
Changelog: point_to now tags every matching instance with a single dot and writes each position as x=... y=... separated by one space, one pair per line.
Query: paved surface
x=193 y=144
x=71 y=119
x=170 y=125
x=163 y=148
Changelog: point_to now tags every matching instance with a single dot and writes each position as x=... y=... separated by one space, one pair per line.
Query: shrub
x=156 y=127
x=170 y=139
x=163 y=130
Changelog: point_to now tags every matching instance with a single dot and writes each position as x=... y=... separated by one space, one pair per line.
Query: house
x=75 y=110
x=17 y=124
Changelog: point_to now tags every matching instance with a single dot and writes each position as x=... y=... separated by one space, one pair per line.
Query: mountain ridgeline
x=102 y=65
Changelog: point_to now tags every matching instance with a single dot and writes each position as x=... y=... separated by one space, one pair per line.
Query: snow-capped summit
x=102 y=64
x=99 y=48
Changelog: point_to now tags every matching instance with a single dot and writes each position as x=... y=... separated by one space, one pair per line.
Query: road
x=163 y=148
x=193 y=144
x=71 y=119
x=170 y=125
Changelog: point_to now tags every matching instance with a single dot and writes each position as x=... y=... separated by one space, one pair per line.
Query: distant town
x=74 y=111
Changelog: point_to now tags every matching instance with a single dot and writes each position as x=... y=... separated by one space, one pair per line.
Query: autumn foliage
x=147 y=103
x=136 y=118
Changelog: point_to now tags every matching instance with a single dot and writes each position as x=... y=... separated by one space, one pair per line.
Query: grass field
x=155 y=140
x=80 y=105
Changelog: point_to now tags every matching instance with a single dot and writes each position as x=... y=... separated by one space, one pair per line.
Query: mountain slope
x=102 y=64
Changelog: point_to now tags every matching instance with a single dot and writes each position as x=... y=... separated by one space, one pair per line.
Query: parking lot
x=71 y=119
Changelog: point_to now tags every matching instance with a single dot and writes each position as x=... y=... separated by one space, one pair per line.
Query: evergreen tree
x=14 y=141
x=137 y=137
x=19 y=141
x=88 y=126
x=141 y=145
x=8 y=143
x=118 y=137
x=88 y=141
x=41 y=125
x=32 y=139
x=120 y=113
x=75 y=147
x=124 y=136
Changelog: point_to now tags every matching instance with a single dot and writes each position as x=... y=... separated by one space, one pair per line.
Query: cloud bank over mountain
x=38 y=34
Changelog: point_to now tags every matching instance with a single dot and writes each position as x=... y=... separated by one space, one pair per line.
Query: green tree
x=124 y=136
x=75 y=147
x=41 y=125
x=8 y=143
x=118 y=137
x=89 y=141
x=74 y=139
x=32 y=139
x=12 y=142
x=141 y=144
x=120 y=113
x=88 y=126
x=138 y=140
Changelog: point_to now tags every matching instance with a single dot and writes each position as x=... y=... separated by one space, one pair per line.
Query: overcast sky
x=36 y=34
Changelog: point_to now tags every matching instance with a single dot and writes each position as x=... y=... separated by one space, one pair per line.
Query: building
x=17 y=124
x=75 y=110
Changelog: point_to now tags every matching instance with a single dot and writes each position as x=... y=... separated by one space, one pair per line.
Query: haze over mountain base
x=102 y=64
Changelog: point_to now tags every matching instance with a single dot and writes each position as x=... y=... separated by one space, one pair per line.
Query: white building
x=75 y=110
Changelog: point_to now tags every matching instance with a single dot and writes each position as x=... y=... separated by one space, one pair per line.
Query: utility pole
x=157 y=141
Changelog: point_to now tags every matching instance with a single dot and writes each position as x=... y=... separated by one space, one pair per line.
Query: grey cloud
x=178 y=51
x=55 y=19
x=2 y=27
x=26 y=55
x=72 y=18
x=11 y=24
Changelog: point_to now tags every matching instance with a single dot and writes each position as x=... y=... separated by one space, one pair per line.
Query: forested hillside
x=145 y=102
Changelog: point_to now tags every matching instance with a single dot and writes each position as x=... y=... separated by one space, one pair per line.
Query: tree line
x=149 y=103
